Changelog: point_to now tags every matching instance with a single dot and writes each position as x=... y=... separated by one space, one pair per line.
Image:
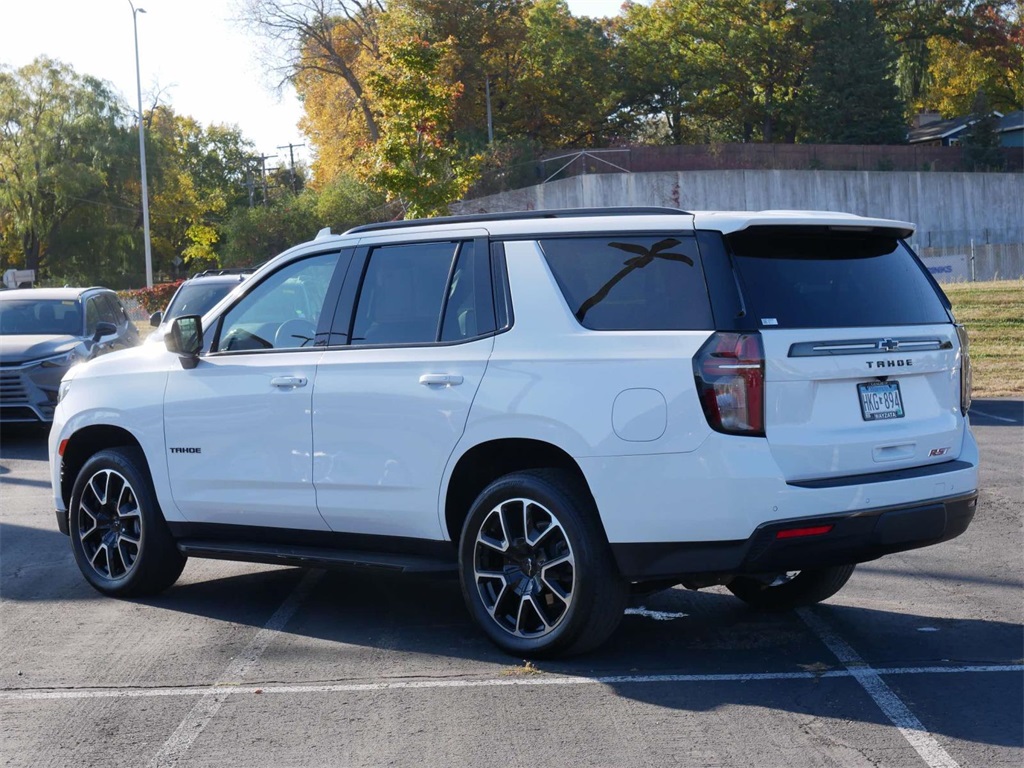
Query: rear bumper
x=855 y=537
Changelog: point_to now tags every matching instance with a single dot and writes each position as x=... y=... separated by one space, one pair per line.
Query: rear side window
x=403 y=293
x=813 y=279
x=631 y=282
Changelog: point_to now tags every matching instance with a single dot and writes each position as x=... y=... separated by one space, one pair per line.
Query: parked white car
x=560 y=406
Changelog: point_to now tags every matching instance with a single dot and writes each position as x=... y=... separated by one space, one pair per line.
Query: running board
x=289 y=554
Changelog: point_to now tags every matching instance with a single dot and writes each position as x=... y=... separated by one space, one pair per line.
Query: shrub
x=152 y=299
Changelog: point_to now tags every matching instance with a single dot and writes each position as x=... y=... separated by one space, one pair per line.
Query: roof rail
x=225 y=271
x=554 y=213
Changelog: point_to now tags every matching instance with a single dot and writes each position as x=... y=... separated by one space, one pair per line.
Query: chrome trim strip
x=878 y=346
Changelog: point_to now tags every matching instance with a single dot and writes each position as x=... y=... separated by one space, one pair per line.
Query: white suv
x=561 y=406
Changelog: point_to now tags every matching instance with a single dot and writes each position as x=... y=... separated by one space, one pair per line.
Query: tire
x=536 y=570
x=791 y=590
x=118 y=534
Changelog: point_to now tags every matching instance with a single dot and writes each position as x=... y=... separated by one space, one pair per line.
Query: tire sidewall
x=120 y=461
x=566 y=507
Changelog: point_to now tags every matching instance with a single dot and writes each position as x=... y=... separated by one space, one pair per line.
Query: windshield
x=196 y=298
x=41 y=317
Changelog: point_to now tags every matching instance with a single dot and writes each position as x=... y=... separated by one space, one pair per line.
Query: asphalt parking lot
x=919 y=661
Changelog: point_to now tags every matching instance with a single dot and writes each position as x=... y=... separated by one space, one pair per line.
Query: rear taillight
x=729 y=370
x=965 y=370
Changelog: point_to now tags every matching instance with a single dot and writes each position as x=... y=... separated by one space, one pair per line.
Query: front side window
x=109 y=311
x=631 y=282
x=403 y=293
x=92 y=315
x=281 y=312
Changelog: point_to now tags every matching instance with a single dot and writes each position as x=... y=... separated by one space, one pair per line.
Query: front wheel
x=536 y=570
x=793 y=589
x=118 y=534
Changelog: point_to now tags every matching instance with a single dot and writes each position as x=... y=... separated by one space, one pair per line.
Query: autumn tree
x=326 y=48
x=487 y=38
x=948 y=49
x=989 y=60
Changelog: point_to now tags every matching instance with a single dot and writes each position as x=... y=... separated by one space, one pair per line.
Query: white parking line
x=212 y=698
x=540 y=679
x=905 y=721
x=993 y=416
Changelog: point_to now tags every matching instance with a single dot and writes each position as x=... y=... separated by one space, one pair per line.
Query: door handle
x=288 y=382
x=441 y=379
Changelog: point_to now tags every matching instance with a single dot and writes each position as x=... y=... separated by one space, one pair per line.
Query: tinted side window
x=281 y=312
x=631 y=283
x=469 y=307
x=402 y=293
x=92 y=314
x=109 y=310
x=809 y=279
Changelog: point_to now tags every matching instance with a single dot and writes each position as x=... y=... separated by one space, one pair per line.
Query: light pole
x=142 y=150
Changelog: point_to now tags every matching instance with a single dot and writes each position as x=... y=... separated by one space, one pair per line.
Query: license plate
x=880 y=400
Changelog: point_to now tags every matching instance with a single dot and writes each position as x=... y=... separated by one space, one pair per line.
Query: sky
x=202 y=62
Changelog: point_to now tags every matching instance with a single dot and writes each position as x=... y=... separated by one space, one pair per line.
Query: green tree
x=980 y=141
x=663 y=81
x=566 y=89
x=250 y=236
x=850 y=95
x=197 y=174
x=727 y=70
x=63 y=146
x=414 y=162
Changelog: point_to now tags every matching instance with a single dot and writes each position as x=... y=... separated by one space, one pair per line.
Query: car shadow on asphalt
x=423 y=622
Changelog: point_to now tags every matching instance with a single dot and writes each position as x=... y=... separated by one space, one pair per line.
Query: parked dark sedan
x=43 y=332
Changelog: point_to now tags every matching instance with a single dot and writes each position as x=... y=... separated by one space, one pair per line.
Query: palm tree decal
x=644 y=256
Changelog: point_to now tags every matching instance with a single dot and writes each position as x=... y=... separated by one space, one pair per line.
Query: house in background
x=930 y=130
x=1011 y=129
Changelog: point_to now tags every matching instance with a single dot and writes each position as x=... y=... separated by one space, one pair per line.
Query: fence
x=777 y=157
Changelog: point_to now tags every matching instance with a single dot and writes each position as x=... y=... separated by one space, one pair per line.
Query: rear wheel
x=118 y=534
x=537 y=573
x=792 y=589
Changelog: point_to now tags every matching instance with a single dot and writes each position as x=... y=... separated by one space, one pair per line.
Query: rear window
x=197 y=298
x=630 y=282
x=793 y=279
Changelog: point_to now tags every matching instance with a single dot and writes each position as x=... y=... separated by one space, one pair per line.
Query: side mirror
x=104 y=329
x=185 y=339
x=156 y=318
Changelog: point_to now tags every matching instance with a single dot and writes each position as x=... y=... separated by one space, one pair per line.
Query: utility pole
x=250 y=184
x=263 y=173
x=142 y=151
x=291 y=158
x=490 y=118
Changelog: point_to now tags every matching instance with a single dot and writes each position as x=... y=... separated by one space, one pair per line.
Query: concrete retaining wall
x=949 y=209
